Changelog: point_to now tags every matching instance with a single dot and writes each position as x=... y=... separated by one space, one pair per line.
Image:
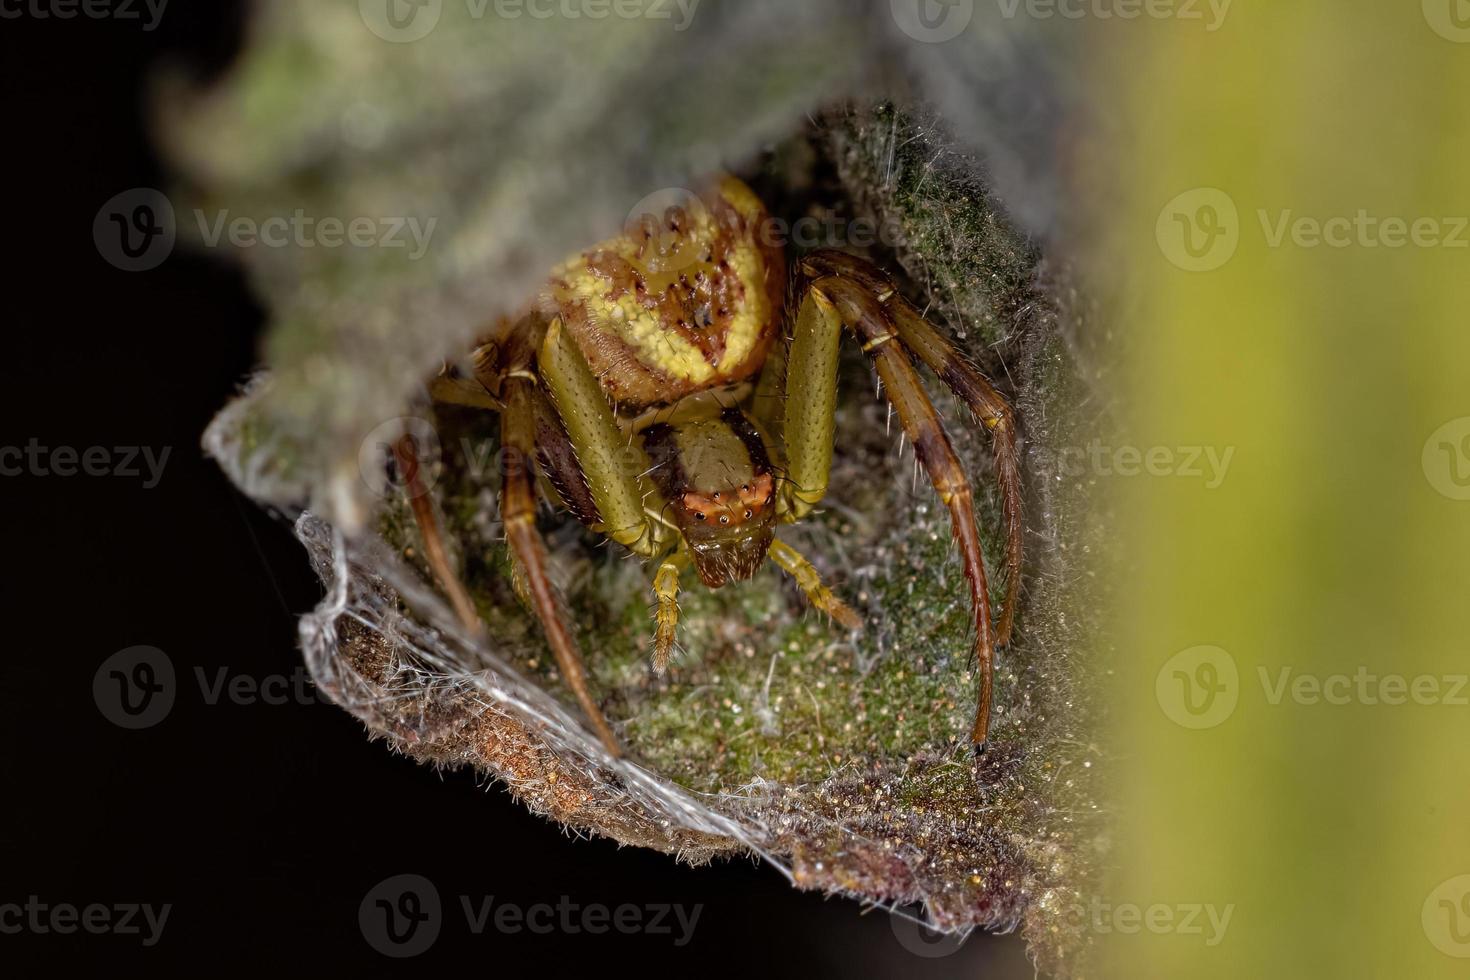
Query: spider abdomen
x=681 y=302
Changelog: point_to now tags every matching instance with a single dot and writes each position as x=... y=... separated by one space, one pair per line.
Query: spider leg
x=810 y=405
x=612 y=465
x=405 y=453
x=861 y=309
x=506 y=382
x=961 y=377
x=817 y=593
x=518 y=513
x=666 y=592
x=993 y=412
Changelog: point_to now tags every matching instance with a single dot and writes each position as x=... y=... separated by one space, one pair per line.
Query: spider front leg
x=613 y=467
x=817 y=593
x=830 y=302
x=666 y=595
x=518 y=514
x=578 y=449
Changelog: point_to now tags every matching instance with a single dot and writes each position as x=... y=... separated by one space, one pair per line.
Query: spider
x=670 y=406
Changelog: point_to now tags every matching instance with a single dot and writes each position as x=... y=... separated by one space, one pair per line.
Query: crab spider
x=627 y=388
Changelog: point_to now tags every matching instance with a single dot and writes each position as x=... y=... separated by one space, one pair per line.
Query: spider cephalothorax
x=671 y=404
x=716 y=476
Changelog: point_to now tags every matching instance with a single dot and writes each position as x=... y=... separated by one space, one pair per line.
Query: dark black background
x=263 y=825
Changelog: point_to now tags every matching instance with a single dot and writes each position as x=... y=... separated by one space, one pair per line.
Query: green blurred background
x=1328 y=822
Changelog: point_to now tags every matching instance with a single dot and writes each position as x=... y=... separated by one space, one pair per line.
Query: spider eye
x=745 y=487
x=747 y=515
x=699 y=515
x=724 y=518
x=717 y=495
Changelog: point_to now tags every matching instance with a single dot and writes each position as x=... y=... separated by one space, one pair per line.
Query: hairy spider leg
x=531 y=427
x=666 y=595
x=405 y=453
x=817 y=593
x=829 y=303
x=952 y=368
x=518 y=514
